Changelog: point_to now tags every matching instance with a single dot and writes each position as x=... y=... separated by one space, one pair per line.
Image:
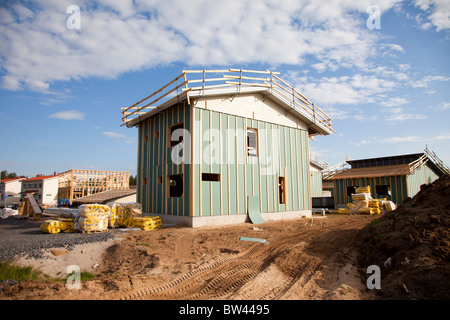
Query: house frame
x=77 y=183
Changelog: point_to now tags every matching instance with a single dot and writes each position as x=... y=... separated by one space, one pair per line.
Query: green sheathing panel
x=398 y=187
x=316 y=183
x=155 y=160
x=422 y=175
x=220 y=147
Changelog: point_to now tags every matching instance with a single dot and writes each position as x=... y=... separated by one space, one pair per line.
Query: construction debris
x=8 y=212
x=58 y=225
x=253 y=240
x=146 y=223
x=93 y=217
x=29 y=208
x=98 y=218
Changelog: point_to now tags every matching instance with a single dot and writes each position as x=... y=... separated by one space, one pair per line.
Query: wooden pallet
x=29 y=208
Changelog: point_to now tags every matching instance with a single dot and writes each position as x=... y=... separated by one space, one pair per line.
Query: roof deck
x=199 y=83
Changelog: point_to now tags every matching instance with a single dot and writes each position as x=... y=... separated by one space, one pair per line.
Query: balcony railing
x=202 y=82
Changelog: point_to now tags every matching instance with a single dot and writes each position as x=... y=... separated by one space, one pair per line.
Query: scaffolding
x=74 y=184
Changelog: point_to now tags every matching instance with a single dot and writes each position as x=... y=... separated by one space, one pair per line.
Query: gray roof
x=105 y=196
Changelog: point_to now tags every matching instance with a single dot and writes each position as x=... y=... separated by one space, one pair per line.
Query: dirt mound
x=412 y=246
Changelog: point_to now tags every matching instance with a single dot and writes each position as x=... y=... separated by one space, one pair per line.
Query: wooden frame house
x=77 y=183
x=210 y=139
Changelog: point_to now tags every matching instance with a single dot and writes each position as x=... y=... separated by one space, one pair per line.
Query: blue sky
x=61 y=89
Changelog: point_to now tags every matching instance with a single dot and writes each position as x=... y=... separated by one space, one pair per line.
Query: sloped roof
x=105 y=196
x=10 y=180
x=38 y=178
x=374 y=172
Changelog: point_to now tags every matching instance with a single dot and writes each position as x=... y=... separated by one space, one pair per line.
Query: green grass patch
x=144 y=244
x=9 y=271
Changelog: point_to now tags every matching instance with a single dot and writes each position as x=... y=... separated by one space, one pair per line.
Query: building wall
x=401 y=186
x=49 y=191
x=251 y=106
x=154 y=160
x=397 y=184
x=282 y=151
x=422 y=175
x=316 y=182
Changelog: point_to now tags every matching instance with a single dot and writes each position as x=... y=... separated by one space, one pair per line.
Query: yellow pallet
x=146 y=223
x=93 y=224
x=66 y=224
x=51 y=226
x=362 y=189
x=369 y=211
x=375 y=203
x=93 y=210
x=361 y=196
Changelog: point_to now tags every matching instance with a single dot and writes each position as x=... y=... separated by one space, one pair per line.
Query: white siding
x=50 y=191
x=253 y=106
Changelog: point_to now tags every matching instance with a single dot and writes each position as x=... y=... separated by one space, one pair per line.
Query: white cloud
x=437 y=14
x=114 y=135
x=424 y=82
x=391 y=140
x=442 y=137
x=441 y=106
x=68 y=115
x=400 y=139
x=395 y=101
x=36 y=48
x=355 y=89
x=397 y=114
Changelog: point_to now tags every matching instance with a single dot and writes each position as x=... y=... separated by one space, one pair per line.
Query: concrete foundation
x=195 y=222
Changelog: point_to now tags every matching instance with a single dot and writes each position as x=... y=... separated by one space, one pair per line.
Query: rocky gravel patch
x=23 y=237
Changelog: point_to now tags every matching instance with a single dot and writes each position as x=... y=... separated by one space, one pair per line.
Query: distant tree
x=6 y=175
x=132 y=181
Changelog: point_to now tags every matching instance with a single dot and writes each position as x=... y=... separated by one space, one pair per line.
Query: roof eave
x=316 y=127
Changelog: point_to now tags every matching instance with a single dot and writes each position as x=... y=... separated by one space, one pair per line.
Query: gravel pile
x=25 y=237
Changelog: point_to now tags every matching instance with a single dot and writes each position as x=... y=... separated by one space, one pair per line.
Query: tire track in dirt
x=178 y=288
x=224 y=278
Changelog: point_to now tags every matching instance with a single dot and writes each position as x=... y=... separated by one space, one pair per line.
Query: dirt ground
x=310 y=259
x=412 y=245
x=303 y=259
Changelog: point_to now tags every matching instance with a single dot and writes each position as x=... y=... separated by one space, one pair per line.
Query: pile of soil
x=411 y=246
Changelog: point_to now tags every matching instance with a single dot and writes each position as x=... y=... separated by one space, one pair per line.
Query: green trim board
x=253 y=210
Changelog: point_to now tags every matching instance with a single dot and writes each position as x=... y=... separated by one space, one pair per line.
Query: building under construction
x=394 y=178
x=74 y=184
